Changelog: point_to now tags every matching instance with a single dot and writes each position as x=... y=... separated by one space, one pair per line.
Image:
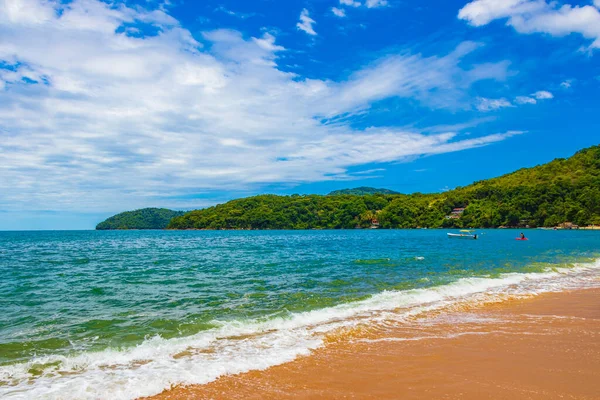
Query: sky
x=108 y=106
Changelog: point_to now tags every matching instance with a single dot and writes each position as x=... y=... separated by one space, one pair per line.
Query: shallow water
x=126 y=314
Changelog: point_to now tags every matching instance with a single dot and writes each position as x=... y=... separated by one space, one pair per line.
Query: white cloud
x=567 y=84
x=240 y=15
x=267 y=42
x=525 y=100
x=351 y=3
x=25 y=11
x=534 y=97
x=543 y=95
x=485 y=104
x=338 y=12
x=482 y=12
x=306 y=23
x=537 y=16
x=356 y=4
x=597 y=3
x=437 y=81
x=376 y=3
x=116 y=121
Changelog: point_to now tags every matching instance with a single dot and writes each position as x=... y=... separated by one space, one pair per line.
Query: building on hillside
x=456 y=213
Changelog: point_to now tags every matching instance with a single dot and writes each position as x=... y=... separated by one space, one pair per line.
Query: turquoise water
x=85 y=314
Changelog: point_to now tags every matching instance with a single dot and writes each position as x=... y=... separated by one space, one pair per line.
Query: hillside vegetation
x=564 y=190
x=147 y=218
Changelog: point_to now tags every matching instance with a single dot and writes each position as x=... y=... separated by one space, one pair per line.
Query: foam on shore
x=239 y=346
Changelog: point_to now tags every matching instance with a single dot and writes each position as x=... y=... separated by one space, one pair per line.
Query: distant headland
x=147 y=218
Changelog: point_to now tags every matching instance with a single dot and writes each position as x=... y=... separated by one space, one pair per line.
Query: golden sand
x=542 y=348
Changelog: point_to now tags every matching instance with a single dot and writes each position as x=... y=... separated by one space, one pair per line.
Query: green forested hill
x=361 y=191
x=564 y=190
x=282 y=212
x=147 y=218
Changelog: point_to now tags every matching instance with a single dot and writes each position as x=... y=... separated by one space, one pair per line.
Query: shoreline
x=446 y=302
x=542 y=347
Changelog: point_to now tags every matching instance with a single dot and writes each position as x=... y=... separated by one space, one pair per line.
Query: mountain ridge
x=361 y=191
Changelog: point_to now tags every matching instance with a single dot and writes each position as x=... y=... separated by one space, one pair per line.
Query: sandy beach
x=544 y=347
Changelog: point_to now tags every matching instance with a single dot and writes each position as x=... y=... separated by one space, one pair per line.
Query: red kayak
x=521 y=239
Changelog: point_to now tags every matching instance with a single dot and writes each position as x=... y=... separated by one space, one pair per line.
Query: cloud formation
x=366 y=3
x=376 y=3
x=338 y=12
x=485 y=104
x=543 y=95
x=350 y=3
x=105 y=106
x=525 y=100
x=538 y=16
x=306 y=23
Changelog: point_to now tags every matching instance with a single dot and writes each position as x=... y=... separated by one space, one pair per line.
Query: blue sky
x=113 y=106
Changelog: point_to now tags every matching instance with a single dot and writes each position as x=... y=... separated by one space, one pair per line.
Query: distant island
x=564 y=192
x=147 y=218
x=361 y=191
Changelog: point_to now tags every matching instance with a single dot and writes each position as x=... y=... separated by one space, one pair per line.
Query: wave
x=239 y=346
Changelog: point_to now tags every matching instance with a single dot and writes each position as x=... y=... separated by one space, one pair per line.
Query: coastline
x=542 y=347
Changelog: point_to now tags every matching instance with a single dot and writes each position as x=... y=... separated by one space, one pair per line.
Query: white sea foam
x=235 y=347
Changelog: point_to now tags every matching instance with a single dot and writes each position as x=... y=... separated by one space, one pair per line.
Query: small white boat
x=464 y=234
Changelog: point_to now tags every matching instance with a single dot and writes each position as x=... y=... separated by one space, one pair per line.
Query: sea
x=125 y=314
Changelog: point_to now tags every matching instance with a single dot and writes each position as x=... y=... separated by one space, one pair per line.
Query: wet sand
x=547 y=347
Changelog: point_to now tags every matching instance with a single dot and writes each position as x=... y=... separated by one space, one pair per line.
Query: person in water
x=522 y=236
